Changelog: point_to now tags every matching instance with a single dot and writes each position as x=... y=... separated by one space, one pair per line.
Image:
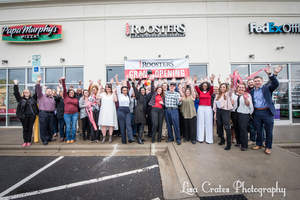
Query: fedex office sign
x=270 y=27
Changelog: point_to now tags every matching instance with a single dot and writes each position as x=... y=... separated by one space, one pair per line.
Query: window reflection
x=281 y=101
x=53 y=74
x=74 y=74
x=3 y=99
x=12 y=102
x=2 y=76
x=16 y=74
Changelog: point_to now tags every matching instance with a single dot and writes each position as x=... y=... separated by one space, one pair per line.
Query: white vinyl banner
x=161 y=68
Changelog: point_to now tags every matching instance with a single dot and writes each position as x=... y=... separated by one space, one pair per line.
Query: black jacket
x=31 y=102
x=60 y=107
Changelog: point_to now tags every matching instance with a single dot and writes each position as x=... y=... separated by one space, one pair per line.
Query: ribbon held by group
x=237 y=79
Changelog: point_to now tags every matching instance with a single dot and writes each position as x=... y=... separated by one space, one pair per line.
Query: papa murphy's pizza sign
x=32 y=33
x=161 y=68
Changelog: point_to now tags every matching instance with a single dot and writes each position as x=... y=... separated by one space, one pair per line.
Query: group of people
x=187 y=108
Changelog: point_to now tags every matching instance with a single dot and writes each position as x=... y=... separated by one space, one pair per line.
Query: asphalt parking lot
x=86 y=177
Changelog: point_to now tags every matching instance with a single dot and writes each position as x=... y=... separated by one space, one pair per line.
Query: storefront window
x=295 y=92
x=3 y=102
x=12 y=102
x=13 y=120
x=242 y=69
x=16 y=74
x=29 y=75
x=74 y=74
x=111 y=71
x=2 y=76
x=281 y=102
x=2 y=120
x=255 y=68
x=53 y=74
x=199 y=70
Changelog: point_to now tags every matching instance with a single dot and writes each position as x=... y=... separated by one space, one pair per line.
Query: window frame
x=27 y=84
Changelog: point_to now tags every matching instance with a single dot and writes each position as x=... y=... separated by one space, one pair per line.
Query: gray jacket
x=82 y=106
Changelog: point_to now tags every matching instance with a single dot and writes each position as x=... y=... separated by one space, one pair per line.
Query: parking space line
x=80 y=183
x=29 y=177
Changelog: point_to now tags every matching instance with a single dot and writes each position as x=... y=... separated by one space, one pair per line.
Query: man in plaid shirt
x=172 y=100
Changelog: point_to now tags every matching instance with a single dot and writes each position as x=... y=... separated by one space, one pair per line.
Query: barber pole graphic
x=127 y=29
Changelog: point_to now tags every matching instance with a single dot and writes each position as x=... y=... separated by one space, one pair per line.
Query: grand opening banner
x=161 y=68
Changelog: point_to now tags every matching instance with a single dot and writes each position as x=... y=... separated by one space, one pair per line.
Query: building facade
x=97 y=36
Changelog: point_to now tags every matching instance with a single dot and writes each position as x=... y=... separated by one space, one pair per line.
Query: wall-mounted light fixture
x=159 y=56
x=4 y=62
x=279 y=47
x=252 y=56
x=187 y=56
x=125 y=57
x=62 y=60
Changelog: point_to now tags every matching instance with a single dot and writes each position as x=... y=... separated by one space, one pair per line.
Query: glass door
x=295 y=92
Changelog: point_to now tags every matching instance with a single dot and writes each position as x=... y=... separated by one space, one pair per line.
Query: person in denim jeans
x=70 y=112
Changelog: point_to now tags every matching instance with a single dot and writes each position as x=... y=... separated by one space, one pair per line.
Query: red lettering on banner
x=158 y=73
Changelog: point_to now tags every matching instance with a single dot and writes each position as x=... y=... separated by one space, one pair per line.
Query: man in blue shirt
x=264 y=109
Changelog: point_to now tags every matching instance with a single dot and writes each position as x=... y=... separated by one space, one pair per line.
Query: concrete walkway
x=201 y=169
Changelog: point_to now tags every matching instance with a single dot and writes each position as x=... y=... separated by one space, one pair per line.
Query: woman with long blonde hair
x=188 y=111
x=26 y=111
x=222 y=107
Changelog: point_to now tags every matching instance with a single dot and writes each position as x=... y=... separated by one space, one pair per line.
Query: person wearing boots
x=140 y=111
x=222 y=107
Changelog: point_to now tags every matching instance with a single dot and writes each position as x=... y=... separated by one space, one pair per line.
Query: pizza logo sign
x=32 y=33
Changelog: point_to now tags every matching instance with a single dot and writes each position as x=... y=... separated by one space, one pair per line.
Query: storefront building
x=98 y=37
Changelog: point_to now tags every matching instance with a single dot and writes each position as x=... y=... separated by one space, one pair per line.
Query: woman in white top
x=222 y=107
x=108 y=115
x=243 y=107
x=124 y=116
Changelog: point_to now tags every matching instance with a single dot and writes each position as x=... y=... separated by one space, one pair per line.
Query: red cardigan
x=71 y=104
x=204 y=98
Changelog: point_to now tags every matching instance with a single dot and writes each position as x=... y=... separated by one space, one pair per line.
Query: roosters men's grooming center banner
x=32 y=33
x=161 y=68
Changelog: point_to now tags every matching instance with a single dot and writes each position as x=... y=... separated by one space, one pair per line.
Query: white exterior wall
x=94 y=34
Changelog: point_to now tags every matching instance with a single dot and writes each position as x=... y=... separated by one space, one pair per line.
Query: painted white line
x=76 y=184
x=29 y=177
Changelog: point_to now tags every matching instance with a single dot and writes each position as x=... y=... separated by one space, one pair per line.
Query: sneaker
x=24 y=144
x=28 y=144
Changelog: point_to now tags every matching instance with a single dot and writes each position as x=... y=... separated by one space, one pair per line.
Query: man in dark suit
x=264 y=109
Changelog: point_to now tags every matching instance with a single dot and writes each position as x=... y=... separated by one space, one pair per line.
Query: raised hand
x=277 y=69
x=99 y=82
x=112 y=80
x=212 y=77
x=16 y=82
x=268 y=70
x=80 y=83
x=38 y=80
x=90 y=82
x=195 y=78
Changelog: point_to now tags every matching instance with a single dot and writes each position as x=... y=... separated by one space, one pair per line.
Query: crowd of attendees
x=155 y=108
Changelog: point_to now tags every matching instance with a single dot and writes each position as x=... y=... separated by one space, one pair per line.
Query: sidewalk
x=205 y=168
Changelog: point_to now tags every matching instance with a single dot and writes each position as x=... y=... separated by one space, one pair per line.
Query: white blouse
x=124 y=101
x=243 y=108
